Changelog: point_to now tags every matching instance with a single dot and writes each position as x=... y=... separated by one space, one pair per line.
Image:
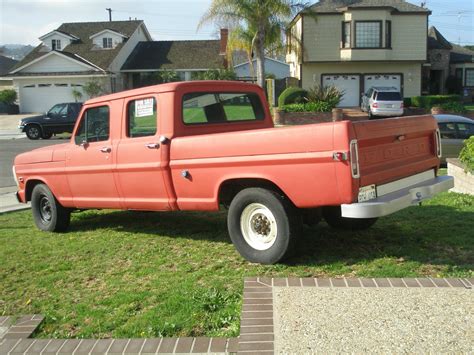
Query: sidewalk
x=8 y=202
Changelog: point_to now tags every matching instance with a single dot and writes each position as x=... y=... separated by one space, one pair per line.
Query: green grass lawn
x=469 y=107
x=131 y=274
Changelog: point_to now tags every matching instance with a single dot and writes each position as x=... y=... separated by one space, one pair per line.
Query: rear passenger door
x=450 y=142
x=139 y=169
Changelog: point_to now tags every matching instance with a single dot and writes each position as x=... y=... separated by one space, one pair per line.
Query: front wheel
x=262 y=225
x=33 y=132
x=48 y=213
x=333 y=217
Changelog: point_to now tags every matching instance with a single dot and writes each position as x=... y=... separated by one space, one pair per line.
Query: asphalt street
x=9 y=148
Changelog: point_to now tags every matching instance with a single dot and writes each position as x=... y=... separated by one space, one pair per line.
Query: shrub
x=466 y=156
x=407 y=102
x=8 y=96
x=215 y=74
x=329 y=94
x=433 y=100
x=292 y=95
x=453 y=107
x=319 y=106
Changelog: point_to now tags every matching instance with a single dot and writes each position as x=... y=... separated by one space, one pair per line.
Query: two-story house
x=73 y=55
x=356 y=44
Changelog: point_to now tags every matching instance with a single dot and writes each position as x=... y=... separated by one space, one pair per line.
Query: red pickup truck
x=210 y=145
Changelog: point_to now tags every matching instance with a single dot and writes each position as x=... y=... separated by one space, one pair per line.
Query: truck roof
x=218 y=84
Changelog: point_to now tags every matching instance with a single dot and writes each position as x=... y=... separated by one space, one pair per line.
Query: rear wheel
x=33 y=132
x=371 y=115
x=262 y=225
x=48 y=213
x=332 y=215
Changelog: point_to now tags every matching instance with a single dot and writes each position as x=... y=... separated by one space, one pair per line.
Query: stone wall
x=463 y=181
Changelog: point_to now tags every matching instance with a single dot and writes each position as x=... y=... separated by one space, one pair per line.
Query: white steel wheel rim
x=258 y=226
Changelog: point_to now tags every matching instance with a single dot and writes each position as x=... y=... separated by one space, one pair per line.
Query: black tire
x=33 y=132
x=48 y=213
x=371 y=115
x=47 y=135
x=332 y=215
x=282 y=215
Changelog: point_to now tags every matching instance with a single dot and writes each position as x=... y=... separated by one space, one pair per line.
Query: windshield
x=389 y=96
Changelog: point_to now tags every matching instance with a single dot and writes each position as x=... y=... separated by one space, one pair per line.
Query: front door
x=140 y=168
x=89 y=163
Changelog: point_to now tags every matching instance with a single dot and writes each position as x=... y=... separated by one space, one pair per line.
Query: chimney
x=223 y=49
x=224 y=38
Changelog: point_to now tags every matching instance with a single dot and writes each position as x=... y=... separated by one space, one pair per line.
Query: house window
x=346 y=35
x=107 y=42
x=368 y=34
x=56 y=44
x=469 y=77
x=388 y=34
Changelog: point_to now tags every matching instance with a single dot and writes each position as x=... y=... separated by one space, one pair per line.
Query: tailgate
x=392 y=149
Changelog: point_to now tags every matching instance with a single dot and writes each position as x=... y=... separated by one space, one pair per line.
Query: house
x=462 y=67
x=447 y=60
x=186 y=58
x=273 y=66
x=73 y=55
x=356 y=44
x=5 y=65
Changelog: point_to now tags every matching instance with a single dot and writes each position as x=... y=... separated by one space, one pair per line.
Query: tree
x=93 y=88
x=77 y=94
x=264 y=20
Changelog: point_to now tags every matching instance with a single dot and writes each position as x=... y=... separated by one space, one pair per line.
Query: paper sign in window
x=144 y=107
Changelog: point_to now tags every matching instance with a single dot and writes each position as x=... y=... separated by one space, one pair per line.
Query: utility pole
x=110 y=13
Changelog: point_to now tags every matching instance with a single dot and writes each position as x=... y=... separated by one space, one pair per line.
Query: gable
x=55 y=63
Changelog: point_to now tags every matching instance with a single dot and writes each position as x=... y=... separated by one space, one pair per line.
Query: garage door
x=349 y=84
x=386 y=80
x=41 y=96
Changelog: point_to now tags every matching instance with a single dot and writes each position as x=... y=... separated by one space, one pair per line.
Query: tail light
x=439 y=150
x=354 y=151
x=375 y=105
x=402 y=105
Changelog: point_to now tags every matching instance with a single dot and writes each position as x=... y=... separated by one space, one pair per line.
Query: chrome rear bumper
x=397 y=200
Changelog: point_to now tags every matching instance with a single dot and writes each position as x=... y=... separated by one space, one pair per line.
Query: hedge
x=291 y=95
x=8 y=96
x=319 y=106
x=433 y=100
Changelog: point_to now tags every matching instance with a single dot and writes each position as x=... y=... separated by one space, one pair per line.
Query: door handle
x=152 y=145
x=105 y=149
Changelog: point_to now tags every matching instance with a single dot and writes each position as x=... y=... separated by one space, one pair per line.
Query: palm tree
x=265 y=20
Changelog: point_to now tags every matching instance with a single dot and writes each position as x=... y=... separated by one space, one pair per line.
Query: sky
x=23 y=21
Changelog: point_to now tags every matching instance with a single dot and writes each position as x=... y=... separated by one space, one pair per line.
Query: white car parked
x=382 y=101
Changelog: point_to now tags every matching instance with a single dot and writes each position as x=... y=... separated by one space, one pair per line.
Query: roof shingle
x=329 y=6
x=84 y=46
x=175 y=55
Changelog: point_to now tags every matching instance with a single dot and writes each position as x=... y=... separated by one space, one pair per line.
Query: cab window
x=142 y=118
x=58 y=109
x=206 y=108
x=94 y=126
